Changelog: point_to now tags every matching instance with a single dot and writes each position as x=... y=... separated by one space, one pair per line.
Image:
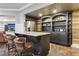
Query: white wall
x=12 y=13
x=6 y=20
x=19 y=27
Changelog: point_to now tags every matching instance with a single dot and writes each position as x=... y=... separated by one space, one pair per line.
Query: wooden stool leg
x=8 y=50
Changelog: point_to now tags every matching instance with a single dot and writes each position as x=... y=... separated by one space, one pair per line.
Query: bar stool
x=23 y=47
x=19 y=42
x=11 y=45
x=28 y=48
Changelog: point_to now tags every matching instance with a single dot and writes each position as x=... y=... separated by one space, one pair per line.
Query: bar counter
x=39 y=40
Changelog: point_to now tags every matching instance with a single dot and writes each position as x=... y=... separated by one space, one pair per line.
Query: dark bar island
x=40 y=41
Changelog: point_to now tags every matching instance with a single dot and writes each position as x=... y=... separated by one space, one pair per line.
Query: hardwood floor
x=55 y=50
x=58 y=50
x=3 y=50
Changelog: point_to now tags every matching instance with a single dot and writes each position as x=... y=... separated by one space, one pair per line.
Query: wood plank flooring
x=58 y=50
x=55 y=50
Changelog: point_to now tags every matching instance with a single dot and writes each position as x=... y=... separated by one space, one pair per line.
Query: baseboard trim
x=61 y=44
x=75 y=45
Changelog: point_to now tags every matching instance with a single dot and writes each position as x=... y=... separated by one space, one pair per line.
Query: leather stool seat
x=28 y=48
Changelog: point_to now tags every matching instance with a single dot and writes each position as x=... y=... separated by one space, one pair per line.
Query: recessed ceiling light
x=40 y=14
x=54 y=11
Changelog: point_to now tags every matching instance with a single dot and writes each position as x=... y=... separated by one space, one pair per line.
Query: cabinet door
x=60 y=38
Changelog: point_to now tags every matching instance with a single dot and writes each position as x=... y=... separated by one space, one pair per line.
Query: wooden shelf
x=59 y=26
x=46 y=26
x=46 y=22
x=59 y=21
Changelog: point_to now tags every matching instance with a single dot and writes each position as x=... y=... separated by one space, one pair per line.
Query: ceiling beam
x=35 y=6
x=27 y=5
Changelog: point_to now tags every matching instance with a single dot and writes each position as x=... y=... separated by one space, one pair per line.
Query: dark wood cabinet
x=60 y=26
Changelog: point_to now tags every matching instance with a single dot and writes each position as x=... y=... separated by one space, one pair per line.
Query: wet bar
x=40 y=41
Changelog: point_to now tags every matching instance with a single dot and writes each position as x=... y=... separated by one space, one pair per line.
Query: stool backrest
x=10 y=39
x=19 y=46
x=19 y=43
x=2 y=38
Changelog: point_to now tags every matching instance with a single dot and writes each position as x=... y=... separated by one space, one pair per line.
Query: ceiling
x=13 y=6
x=56 y=6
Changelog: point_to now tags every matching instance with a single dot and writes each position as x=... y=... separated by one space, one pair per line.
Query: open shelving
x=60 y=26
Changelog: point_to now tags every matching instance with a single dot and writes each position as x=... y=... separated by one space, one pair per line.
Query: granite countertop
x=35 y=33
